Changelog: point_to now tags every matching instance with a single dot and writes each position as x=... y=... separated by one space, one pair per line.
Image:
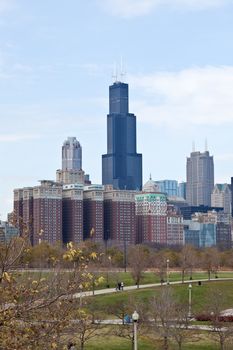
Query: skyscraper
x=200 y=178
x=71 y=154
x=221 y=197
x=71 y=171
x=119 y=215
x=122 y=165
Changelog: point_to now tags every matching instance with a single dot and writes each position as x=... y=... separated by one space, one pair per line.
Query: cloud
x=135 y=8
x=197 y=96
x=17 y=138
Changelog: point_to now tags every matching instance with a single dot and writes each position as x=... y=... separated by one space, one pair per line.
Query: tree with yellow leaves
x=36 y=311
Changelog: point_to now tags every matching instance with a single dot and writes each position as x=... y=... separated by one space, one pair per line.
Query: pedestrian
x=122 y=285
x=119 y=285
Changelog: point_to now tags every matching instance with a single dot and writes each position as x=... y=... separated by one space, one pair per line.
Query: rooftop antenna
x=206 y=145
x=150 y=177
x=122 y=70
x=193 y=146
x=114 y=74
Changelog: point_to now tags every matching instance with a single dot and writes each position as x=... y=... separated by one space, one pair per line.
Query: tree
x=125 y=330
x=187 y=260
x=160 y=262
x=162 y=313
x=138 y=260
x=180 y=325
x=222 y=330
x=84 y=328
x=210 y=261
x=36 y=312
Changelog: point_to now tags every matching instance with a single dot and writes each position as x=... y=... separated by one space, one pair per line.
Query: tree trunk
x=221 y=343
x=165 y=343
x=93 y=288
x=82 y=344
x=182 y=276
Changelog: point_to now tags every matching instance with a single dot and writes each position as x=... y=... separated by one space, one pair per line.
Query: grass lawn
x=150 y=277
x=112 y=278
x=201 y=341
x=200 y=295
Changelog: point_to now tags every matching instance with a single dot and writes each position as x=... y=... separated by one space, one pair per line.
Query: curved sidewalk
x=144 y=286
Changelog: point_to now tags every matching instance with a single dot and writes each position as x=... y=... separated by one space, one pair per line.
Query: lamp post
x=80 y=294
x=190 y=301
x=135 y=318
x=109 y=268
x=40 y=234
x=167 y=271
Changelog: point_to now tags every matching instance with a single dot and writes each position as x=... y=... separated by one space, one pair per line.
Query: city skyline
x=55 y=73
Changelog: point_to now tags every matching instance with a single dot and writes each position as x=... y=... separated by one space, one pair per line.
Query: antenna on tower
x=206 y=145
x=193 y=146
x=122 y=70
x=114 y=74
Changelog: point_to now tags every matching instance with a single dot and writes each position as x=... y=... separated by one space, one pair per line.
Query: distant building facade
x=7 y=232
x=47 y=212
x=119 y=216
x=221 y=197
x=209 y=229
x=182 y=190
x=232 y=197
x=175 y=227
x=223 y=231
x=17 y=217
x=151 y=216
x=200 y=178
x=93 y=212
x=200 y=235
x=28 y=212
x=169 y=187
x=187 y=210
x=72 y=213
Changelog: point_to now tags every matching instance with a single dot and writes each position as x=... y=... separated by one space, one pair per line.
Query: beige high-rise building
x=200 y=178
x=221 y=197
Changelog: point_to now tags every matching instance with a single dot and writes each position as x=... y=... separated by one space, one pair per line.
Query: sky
x=57 y=60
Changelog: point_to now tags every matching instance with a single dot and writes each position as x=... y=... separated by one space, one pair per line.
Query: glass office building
x=122 y=165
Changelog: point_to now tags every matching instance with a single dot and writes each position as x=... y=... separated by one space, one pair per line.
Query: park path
x=144 y=286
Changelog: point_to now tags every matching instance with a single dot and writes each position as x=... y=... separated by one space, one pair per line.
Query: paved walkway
x=192 y=326
x=143 y=286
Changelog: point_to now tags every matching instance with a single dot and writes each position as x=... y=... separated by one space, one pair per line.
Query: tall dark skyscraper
x=122 y=165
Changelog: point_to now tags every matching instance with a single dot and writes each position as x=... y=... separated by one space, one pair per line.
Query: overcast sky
x=56 y=63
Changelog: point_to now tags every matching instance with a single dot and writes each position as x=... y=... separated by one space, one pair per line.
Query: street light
x=190 y=301
x=167 y=271
x=135 y=318
x=80 y=294
x=40 y=235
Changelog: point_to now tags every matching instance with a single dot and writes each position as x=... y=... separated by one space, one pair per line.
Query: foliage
x=36 y=313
